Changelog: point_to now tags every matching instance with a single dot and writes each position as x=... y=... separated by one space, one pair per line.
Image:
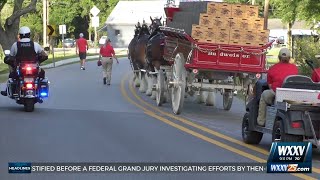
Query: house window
x=116 y=32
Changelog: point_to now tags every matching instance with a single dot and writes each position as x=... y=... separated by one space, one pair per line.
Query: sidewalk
x=66 y=61
x=118 y=51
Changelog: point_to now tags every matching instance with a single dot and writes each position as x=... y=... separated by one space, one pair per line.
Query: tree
x=266 y=13
x=305 y=49
x=288 y=11
x=77 y=14
x=309 y=11
x=34 y=22
x=9 y=29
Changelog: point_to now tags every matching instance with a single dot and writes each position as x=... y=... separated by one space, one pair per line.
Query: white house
x=121 y=23
x=279 y=29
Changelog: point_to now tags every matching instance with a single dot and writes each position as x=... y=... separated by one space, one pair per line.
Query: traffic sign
x=95 y=21
x=63 y=29
x=94 y=11
x=51 y=30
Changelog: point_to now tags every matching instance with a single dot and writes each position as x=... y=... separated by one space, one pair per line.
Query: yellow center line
x=210 y=131
x=205 y=138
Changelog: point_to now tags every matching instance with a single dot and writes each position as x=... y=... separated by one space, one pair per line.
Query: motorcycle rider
x=25 y=50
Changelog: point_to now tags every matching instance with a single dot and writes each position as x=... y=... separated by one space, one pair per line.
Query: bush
x=305 y=49
x=60 y=44
x=1 y=55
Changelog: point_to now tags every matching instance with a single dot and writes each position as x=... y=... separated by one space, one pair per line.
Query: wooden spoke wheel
x=160 y=88
x=227 y=99
x=179 y=84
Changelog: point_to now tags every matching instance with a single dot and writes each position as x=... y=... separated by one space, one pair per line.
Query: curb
x=66 y=61
x=72 y=60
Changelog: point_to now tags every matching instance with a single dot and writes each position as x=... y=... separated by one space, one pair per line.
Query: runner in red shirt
x=107 y=53
x=276 y=75
x=82 y=47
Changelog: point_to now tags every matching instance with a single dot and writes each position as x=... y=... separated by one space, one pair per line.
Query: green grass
x=272 y=55
x=57 y=57
x=3 y=68
x=274 y=51
x=272 y=60
x=3 y=78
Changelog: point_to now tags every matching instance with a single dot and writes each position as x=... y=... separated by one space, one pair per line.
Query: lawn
x=58 y=56
x=273 y=52
x=272 y=56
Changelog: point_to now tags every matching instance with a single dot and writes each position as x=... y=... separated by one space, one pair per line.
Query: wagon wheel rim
x=160 y=88
x=179 y=80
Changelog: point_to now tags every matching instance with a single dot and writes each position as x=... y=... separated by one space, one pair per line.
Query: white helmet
x=24 y=32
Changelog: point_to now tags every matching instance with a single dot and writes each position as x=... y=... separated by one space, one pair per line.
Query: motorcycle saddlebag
x=44 y=88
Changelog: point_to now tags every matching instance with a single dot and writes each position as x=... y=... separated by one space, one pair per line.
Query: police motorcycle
x=294 y=116
x=28 y=89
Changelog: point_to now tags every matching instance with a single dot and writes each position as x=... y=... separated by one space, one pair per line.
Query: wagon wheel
x=227 y=99
x=179 y=83
x=160 y=89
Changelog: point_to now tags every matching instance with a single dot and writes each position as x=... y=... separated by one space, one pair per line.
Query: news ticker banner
x=295 y=157
x=290 y=157
x=28 y=167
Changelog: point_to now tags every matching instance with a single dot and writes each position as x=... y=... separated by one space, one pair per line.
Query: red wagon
x=207 y=67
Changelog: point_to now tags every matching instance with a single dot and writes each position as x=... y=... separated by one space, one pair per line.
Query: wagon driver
x=275 y=77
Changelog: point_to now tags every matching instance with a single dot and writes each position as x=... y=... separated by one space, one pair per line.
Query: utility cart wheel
x=160 y=88
x=249 y=137
x=179 y=84
x=227 y=99
x=278 y=134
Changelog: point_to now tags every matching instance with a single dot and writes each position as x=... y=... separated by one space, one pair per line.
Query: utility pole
x=89 y=30
x=44 y=10
x=47 y=7
x=266 y=13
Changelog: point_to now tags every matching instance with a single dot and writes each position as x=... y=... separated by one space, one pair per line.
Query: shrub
x=60 y=44
x=305 y=49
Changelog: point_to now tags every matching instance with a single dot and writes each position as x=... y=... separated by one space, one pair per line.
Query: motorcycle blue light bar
x=44 y=94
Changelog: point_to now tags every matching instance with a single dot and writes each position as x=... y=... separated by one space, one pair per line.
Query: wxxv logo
x=290 y=157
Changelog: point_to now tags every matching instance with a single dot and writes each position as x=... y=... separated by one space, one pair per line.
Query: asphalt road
x=86 y=121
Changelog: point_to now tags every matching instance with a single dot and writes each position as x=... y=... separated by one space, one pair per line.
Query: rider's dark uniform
x=25 y=54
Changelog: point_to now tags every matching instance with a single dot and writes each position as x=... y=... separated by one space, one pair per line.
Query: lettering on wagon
x=223 y=54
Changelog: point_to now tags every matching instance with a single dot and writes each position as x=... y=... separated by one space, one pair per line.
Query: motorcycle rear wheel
x=29 y=105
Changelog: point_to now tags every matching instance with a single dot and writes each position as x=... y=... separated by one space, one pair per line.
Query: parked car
x=103 y=40
x=280 y=40
x=69 y=43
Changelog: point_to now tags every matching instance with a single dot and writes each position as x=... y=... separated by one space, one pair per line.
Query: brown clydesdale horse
x=155 y=45
x=131 y=54
x=154 y=52
x=138 y=57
